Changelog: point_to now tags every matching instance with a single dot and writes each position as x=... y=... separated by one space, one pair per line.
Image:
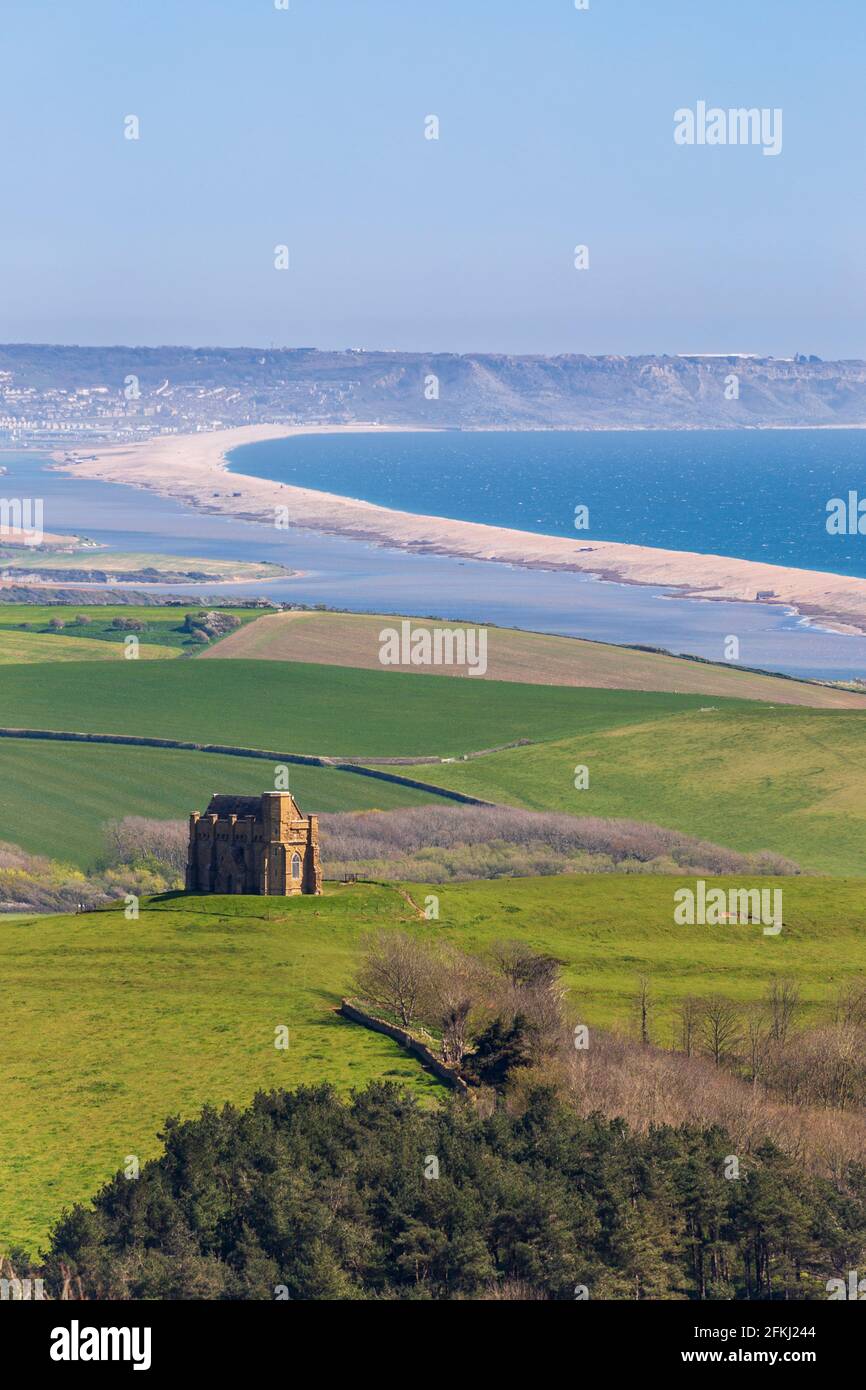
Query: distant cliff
x=182 y=388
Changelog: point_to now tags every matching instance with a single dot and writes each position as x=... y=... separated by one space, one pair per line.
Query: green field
x=333 y=710
x=764 y=777
x=56 y=797
x=13 y=614
x=162 y=631
x=111 y=1024
x=744 y=774
x=18 y=648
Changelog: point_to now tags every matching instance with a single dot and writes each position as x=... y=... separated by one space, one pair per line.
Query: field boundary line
x=229 y=750
x=351 y=1010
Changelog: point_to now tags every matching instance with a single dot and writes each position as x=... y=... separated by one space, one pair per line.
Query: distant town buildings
x=89 y=395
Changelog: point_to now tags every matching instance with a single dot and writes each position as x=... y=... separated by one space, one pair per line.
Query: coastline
x=193 y=470
x=168 y=584
x=12 y=536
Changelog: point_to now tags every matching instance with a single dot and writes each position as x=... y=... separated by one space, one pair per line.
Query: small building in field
x=253 y=844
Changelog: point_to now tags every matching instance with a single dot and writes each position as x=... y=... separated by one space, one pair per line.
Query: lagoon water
x=754 y=494
x=359 y=577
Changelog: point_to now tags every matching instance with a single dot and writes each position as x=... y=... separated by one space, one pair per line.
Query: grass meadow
x=26 y=634
x=783 y=779
x=39 y=648
x=56 y=797
x=745 y=774
x=307 y=708
x=113 y=1024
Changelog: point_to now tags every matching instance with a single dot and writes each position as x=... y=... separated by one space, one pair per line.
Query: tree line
x=305 y=1196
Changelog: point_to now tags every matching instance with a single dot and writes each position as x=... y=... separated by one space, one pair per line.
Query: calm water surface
x=358 y=577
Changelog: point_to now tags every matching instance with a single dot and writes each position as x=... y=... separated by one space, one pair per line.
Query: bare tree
x=851 y=1003
x=523 y=967
x=457 y=990
x=393 y=974
x=757 y=1041
x=135 y=838
x=783 y=1002
x=528 y=983
x=492 y=841
x=720 y=1028
x=831 y=1062
x=687 y=1021
x=643 y=1007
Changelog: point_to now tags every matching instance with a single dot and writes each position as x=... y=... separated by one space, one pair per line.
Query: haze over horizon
x=305 y=128
x=374 y=348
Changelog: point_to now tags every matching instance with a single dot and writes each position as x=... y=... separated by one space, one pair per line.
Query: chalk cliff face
x=183 y=388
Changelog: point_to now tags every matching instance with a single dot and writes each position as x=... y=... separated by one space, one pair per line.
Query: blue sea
x=351 y=574
x=758 y=494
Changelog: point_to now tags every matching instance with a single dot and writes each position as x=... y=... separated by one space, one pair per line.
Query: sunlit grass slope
x=788 y=780
x=111 y=1024
x=314 y=709
x=56 y=797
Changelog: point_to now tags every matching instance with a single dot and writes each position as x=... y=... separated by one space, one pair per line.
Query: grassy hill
x=748 y=774
x=301 y=708
x=56 y=798
x=117 y=1024
x=789 y=780
x=17 y=648
x=352 y=639
x=745 y=774
x=160 y=632
x=112 y=1024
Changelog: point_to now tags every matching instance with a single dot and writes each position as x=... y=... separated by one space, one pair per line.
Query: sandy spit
x=30 y=540
x=192 y=469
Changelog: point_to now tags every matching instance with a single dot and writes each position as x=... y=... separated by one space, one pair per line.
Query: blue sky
x=305 y=127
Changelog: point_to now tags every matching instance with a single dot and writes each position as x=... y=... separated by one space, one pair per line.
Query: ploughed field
x=354 y=639
x=180 y=1008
